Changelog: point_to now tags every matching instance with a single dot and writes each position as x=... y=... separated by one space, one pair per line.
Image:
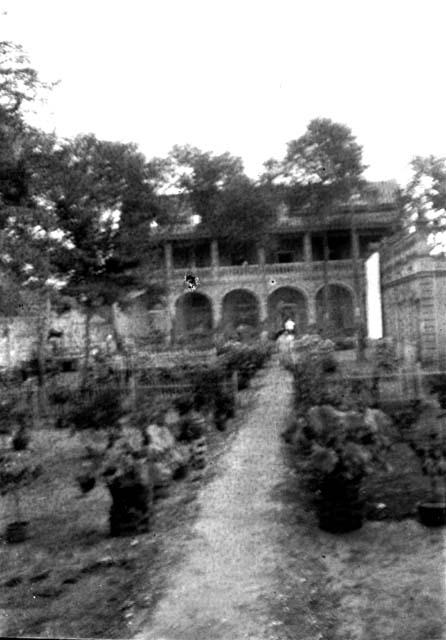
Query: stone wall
x=19 y=335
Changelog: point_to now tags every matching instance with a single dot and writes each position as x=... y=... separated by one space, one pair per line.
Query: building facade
x=413 y=288
x=260 y=287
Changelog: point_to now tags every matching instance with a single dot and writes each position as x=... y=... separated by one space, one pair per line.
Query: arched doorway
x=341 y=319
x=287 y=303
x=193 y=316
x=240 y=307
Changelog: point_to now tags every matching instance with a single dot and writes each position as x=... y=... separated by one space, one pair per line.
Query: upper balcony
x=256 y=273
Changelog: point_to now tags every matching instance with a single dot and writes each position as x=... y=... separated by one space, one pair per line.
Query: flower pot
x=340 y=509
x=20 y=441
x=86 y=483
x=16 y=532
x=130 y=510
x=340 y=520
x=432 y=514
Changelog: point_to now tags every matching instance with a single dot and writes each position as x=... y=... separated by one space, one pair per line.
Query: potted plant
x=127 y=473
x=429 y=444
x=385 y=362
x=22 y=419
x=338 y=449
x=87 y=478
x=17 y=470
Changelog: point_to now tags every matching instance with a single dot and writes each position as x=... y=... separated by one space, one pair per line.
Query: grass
x=385 y=580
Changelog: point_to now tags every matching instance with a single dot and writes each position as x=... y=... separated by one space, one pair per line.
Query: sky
x=244 y=76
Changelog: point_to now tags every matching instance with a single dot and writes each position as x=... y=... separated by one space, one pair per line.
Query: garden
x=360 y=453
x=91 y=488
x=368 y=467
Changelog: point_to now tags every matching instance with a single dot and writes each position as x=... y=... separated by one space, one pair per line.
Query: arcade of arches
x=194 y=311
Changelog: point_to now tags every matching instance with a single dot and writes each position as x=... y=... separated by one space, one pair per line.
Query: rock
x=377 y=420
x=161 y=441
x=172 y=417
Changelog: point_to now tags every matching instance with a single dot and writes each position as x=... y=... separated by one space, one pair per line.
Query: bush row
x=340 y=435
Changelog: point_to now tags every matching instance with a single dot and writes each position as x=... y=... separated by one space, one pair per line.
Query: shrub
x=384 y=357
x=96 y=410
x=126 y=473
x=337 y=450
x=245 y=359
x=344 y=343
x=17 y=471
x=437 y=384
x=405 y=417
x=338 y=439
x=428 y=441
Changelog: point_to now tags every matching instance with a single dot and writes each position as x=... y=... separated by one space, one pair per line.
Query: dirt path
x=256 y=566
x=223 y=587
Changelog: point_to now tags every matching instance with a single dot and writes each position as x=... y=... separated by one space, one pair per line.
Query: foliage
x=95 y=410
x=384 y=357
x=347 y=441
x=321 y=168
x=337 y=450
x=437 y=384
x=424 y=198
x=429 y=444
x=214 y=187
x=406 y=416
x=18 y=470
x=201 y=176
x=124 y=460
x=344 y=344
x=243 y=212
x=246 y=359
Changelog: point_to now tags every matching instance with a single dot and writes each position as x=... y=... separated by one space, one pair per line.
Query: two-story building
x=261 y=286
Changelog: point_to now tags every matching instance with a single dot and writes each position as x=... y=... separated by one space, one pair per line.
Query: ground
x=256 y=566
x=238 y=555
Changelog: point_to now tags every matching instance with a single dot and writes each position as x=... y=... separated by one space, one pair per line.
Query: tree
x=20 y=85
x=199 y=177
x=244 y=211
x=19 y=81
x=104 y=203
x=424 y=199
x=321 y=169
x=24 y=225
x=27 y=251
x=215 y=187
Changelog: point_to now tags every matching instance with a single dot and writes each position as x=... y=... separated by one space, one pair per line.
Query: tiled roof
x=375 y=194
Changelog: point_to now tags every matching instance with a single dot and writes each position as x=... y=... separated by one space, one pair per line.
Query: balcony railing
x=340 y=268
